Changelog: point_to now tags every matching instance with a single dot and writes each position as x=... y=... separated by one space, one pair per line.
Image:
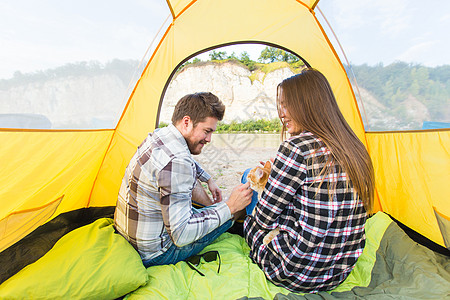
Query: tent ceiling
x=177 y=6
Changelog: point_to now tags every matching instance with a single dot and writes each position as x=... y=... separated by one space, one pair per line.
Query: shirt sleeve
x=287 y=174
x=202 y=175
x=184 y=224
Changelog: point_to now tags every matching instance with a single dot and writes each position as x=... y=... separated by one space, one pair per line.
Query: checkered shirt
x=321 y=236
x=154 y=208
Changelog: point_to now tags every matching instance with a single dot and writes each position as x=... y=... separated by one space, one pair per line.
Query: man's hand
x=216 y=192
x=240 y=197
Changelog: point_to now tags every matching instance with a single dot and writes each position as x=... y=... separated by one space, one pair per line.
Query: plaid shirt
x=154 y=208
x=321 y=236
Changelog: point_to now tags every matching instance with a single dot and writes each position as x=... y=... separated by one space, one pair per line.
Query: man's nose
x=208 y=137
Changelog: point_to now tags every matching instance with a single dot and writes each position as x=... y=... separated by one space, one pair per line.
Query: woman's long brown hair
x=311 y=103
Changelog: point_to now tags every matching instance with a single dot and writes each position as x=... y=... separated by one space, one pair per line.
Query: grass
x=261 y=125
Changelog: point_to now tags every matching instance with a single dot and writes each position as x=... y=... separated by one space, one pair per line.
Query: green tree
x=271 y=54
x=221 y=55
x=245 y=59
x=233 y=56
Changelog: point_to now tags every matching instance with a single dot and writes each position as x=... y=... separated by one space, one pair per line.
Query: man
x=154 y=209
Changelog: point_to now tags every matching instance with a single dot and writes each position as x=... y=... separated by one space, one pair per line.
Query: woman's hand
x=263 y=162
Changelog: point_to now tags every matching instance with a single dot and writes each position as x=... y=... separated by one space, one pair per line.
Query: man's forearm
x=200 y=196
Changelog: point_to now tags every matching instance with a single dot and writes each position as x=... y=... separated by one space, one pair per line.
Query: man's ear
x=185 y=124
x=186 y=121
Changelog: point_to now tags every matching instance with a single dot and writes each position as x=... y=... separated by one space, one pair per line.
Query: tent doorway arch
x=220 y=46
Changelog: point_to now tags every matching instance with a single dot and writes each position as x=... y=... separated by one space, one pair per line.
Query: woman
x=319 y=192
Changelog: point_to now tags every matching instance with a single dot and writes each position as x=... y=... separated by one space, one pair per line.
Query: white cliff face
x=230 y=82
x=97 y=100
x=246 y=99
x=68 y=102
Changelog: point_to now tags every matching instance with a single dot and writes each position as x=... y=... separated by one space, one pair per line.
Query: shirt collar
x=178 y=135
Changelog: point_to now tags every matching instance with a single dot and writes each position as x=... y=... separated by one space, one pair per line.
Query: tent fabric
x=18 y=224
x=444 y=226
x=79 y=169
x=412 y=177
x=177 y=6
x=39 y=167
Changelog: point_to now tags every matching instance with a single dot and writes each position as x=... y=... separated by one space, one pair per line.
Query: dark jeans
x=175 y=254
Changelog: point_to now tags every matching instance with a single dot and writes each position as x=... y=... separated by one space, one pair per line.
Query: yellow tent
x=50 y=174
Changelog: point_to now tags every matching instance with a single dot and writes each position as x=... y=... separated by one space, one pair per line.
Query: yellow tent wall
x=85 y=168
x=40 y=167
x=412 y=171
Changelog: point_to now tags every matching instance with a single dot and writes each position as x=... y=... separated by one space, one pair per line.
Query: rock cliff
x=97 y=99
x=66 y=102
x=246 y=95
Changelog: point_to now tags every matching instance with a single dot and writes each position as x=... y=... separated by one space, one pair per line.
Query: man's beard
x=194 y=146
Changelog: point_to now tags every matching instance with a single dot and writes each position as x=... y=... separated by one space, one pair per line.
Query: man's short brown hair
x=198 y=107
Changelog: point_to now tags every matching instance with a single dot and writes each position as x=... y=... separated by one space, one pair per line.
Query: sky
x=413 y=31
x=38 y=35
